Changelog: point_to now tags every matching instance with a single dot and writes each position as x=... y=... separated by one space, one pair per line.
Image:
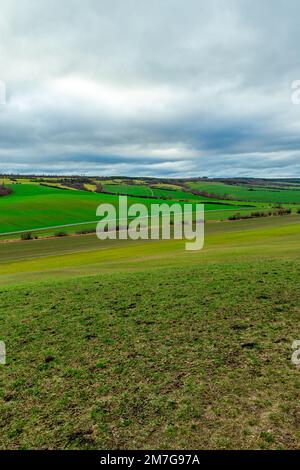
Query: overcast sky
x=150 y=87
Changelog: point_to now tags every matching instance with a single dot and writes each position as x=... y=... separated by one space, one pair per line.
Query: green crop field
x=250 y=193
x=134 y=190
x=123 y=344
x=159 y=192
x=33 y=206
x=83 y=255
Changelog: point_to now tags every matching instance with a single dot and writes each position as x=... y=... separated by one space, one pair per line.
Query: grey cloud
x=156 y=88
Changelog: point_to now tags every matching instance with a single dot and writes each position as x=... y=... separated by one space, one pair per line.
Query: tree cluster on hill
x=278 y=211
x=4 y=190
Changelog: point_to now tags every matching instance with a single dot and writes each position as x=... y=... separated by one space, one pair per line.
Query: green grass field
x=250 y=193
x=143 y=190
x=157 y=347
x=82 y=255
x=142 y=344
x=33 y=206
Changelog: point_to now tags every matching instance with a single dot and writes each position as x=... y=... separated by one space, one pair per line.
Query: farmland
x=125 y=344
x=33 y=206
x=268 y=194
x=83 y=255
x=142 y=190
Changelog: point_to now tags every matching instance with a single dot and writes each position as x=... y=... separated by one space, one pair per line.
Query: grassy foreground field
x=36 y=260
x=157 y=347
